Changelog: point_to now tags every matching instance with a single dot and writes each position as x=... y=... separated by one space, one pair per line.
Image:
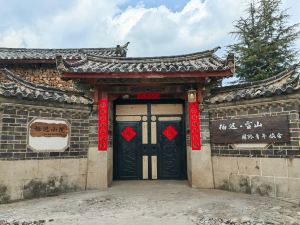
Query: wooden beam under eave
x=154 y=75
x=150 y=81
x=168 y=89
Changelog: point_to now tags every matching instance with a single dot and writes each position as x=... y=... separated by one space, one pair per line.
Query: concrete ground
x=153 y=202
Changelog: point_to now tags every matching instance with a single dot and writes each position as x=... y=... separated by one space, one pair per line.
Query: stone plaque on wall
x=267 y=129
x=41 y=129
x=48 y=135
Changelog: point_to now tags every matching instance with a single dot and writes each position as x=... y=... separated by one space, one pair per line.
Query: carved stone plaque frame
x=52 y=138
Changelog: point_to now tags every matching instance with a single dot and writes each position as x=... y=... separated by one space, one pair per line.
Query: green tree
x=265 y=41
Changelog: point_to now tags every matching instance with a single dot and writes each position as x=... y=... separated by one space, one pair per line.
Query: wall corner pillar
x=99 y=169
x=200 y=170
x=100 y=156
x=201 y=175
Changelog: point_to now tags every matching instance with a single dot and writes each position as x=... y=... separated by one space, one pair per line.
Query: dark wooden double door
x=149 y=141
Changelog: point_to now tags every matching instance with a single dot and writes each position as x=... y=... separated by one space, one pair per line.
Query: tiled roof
x=286 y=82
x=68 y=54
x=205 y=61
x=12 y=85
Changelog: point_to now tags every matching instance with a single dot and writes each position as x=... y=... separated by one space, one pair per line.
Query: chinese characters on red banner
x=194 y=125
x=103 y=125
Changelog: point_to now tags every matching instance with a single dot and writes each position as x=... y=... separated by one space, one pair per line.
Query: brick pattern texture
x=93 y=129
x=204 y=126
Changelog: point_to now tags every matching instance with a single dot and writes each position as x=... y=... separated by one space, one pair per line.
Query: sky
x=153 y=27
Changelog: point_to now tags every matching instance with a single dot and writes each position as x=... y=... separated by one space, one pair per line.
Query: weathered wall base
x=99 y=168
x=200 y=172
x=24 y=179
x=276 y=177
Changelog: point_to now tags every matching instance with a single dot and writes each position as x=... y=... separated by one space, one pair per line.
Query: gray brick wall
x=14 y=123
x=204 y=125
x=110 y=124
x=187 y=124
x=93 y=129
x=272 y=108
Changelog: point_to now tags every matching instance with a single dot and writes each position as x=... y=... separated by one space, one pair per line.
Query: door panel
x=154 y=167
x=136 y=109
x=166 y=109
x=149 y=141
x=128 y=150
x=170 y=149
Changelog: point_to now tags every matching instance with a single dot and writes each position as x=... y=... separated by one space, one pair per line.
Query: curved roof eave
x=205 y=61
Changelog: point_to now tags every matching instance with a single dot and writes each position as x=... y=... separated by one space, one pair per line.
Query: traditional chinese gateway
x=74 y=119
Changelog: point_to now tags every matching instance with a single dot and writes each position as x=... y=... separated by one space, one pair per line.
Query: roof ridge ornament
x=216 y=49
x=230 y=62
x=121 y=51
x=60 y=63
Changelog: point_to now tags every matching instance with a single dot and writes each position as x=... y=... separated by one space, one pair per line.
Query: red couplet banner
x=194 y=125
x=103 y=125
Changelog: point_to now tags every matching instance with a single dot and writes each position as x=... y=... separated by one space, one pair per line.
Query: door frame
x=183 y=159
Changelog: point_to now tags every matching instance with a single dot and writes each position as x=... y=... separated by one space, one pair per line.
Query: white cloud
x=151 y=31
x=10 y=38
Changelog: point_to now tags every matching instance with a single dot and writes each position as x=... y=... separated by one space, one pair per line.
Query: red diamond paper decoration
x=170 y=132
x=128 y=133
